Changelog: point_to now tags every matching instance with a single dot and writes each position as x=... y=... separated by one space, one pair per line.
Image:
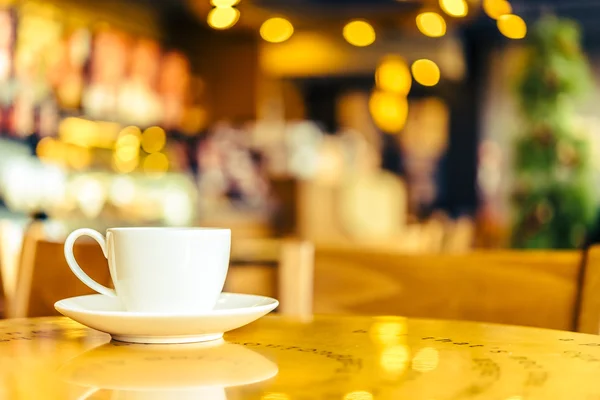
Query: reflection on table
x=348 y=358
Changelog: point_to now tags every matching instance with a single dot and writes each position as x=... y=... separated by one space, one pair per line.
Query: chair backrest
x=45 y=278
x=534 y=288
x=589 y=308
x=274 y=267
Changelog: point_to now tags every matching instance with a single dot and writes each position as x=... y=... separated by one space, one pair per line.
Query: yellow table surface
x=343 y=358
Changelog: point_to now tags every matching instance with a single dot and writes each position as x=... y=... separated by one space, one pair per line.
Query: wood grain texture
x=533 y=288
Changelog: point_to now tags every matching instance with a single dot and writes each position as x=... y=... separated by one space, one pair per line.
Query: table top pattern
x=345 y=358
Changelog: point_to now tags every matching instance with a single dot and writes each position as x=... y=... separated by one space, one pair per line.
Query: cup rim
x=168 y=228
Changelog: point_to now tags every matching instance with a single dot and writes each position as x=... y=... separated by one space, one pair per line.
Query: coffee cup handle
x=83 y=277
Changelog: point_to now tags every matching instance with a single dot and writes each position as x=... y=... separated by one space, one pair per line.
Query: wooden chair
x=534 y=288
x=588 y=320
x=45 y=278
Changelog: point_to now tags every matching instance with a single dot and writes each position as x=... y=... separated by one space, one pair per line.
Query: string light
x=224 y=3
x=426 y=72
x=512 y=26
x=276 y=30
x=156 y=163
x=393 y=75
x=455 y=8
x=154 y=139
x=431 y=24
x=496 y=8
x=223 y=17
x=389 y=111
x=359 y=33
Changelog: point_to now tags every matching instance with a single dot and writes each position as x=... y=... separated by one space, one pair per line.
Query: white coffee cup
x=160 y=270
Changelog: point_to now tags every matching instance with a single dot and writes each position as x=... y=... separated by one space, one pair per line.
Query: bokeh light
x=359 y=33
x=123 y=166
x=496 y=8
x=512 y=26
x=276 y=30
x=426 y=72
x=223 y=17
x=224 y=3
x=127 y=148
x=455 y=8
x=389 y=111
x=156 y=163
x=358 y=395
x=431 y=24
x=425 y=360
x=78 y=158
x=154 y=139
x=393 y=75
x=394 y=359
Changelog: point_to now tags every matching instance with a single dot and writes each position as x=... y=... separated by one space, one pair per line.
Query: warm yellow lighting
x=223 y=17
x=425 y=360
x=79 y=131
x=79 y=158
x=512 y=26
x=52 y=151
x=156 y=162
x=275 y=396
x=393 y=75
x=455 y=8
x=394 y=359
x=224 y=3
x=496 y=8
x=431 y=24
x=359 y=33
x=154 y=139
x=389 y=111
x=276 y=30
x=130 y=130
x=358 y=395
x=426 y=72
x=125 y=166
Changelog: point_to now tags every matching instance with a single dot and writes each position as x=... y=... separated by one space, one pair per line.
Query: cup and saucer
x=168 y=286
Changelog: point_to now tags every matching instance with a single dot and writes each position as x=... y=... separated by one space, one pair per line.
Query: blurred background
x=424 y=126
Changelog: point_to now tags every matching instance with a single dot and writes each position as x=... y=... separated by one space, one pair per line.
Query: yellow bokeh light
x=52 y=151
x=455 y=8
x=425 y=360
x=512 y=26
x=388 y=332
x=130 y=130
x=389 y=111
x=224 y=3
x=275 y=396
x=431 y=24
x=124 y=166
x=223 y=17
x=154 y=139
x=358 y=395
x=276 y=30
x=426 y=72
x=393 y=75
x=394 y=359
x=156 y=163
x=496 y=8
x=79 y=158
x=359 y=33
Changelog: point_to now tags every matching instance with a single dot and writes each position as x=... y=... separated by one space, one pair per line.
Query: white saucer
x=106 y=314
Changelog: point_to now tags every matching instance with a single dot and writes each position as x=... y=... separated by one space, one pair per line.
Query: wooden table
x=342 y=358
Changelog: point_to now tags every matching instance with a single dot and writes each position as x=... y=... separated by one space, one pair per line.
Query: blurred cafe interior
x=427 y=158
